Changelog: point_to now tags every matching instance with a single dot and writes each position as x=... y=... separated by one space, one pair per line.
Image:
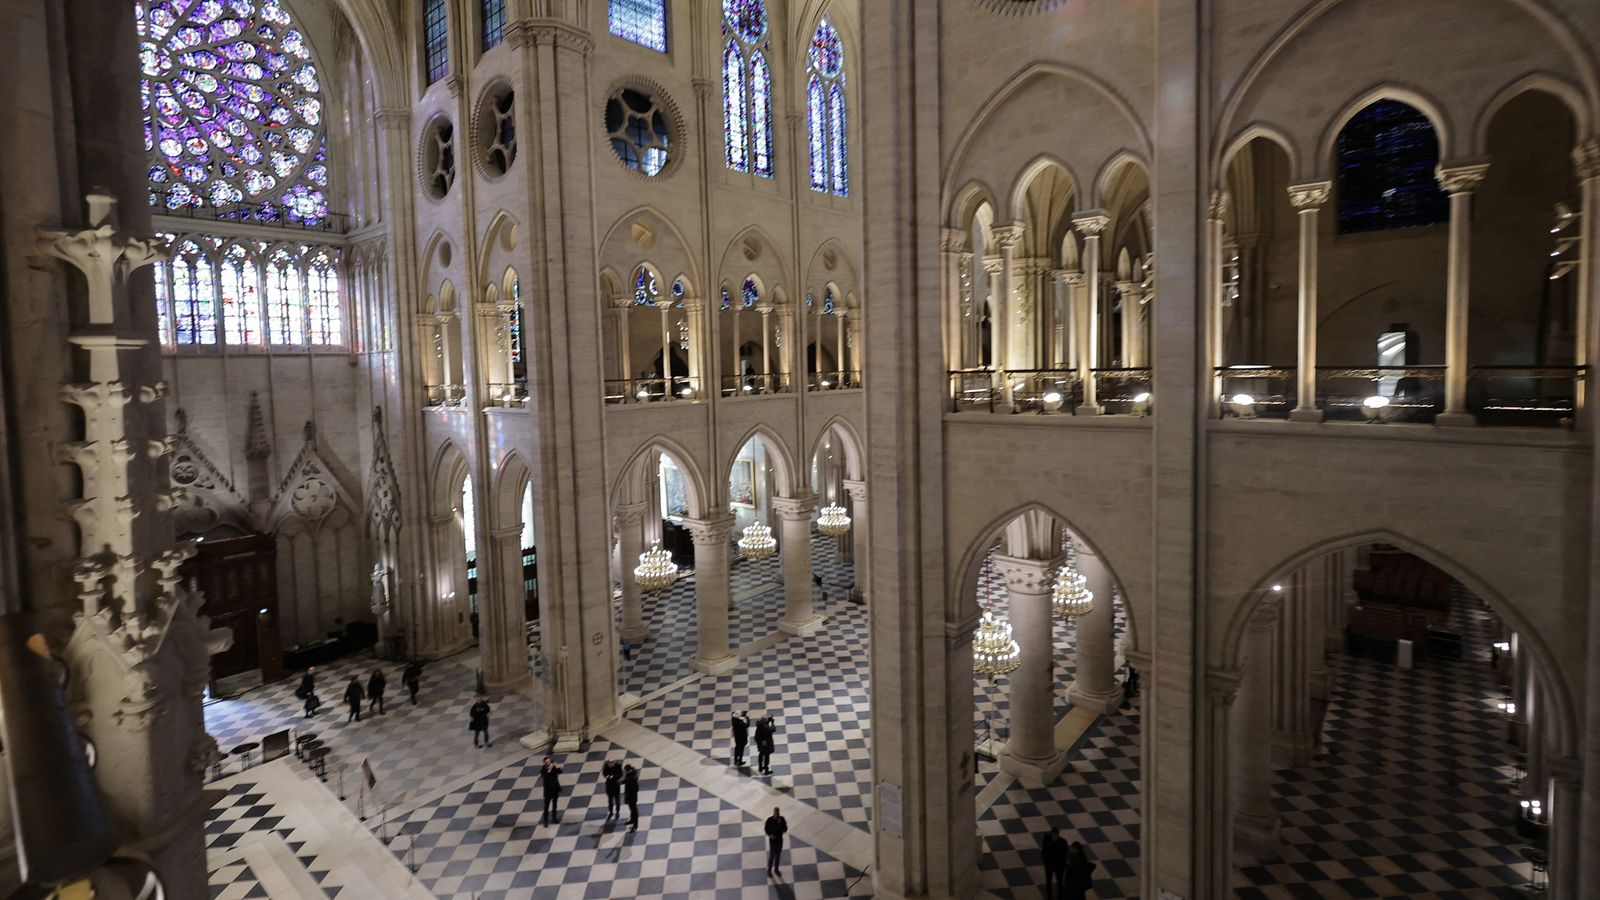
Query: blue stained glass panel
x=494 y=23
x=322 y=304
x=435 y=40
x=745 y=18
x=760 y=115
x=1387 y=154
x=836 y=140
x=826 y=55
x=645 y=288
x=727 y=302
x=752 y=293
x=643 y=22
x=825 y=111
x=817 y=121
x=735 y=119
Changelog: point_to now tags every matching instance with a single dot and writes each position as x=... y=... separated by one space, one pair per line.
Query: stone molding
x=1461 y=179
x=1223 y=685
x=1310 y=195
x=1007 y=235
x=952 y=240
x=1217 y=209
x=794 y=507
x=1586 y=159
x=630 y=515
x=1091 y=222
x=710 y=532
x=1028 y=576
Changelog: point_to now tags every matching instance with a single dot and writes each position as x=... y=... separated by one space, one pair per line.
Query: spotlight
x=644 y=394
x=1141 y=403
x=825 y=384
x=1242 y=405
x=1503 y=646
x=1562 y=268
x=1277 y=589
x=1052 y=401
x=1375 y=405
x=686 y=393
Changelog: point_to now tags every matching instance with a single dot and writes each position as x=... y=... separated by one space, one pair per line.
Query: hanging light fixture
x=832 y=520
x=757 y=542
x=994 y=653
x=656 y=570
x=1071 y=597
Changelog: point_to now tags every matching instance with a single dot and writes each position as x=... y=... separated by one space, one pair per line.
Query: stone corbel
x=960 y=631
x=1224 y=686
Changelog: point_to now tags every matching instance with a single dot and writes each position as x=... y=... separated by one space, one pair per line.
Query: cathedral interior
x=1160 y=421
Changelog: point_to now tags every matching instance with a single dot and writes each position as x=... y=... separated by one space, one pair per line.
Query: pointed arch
x=839 y=428
x=1251 y=132
x=698 y=499
x=1231 y=653
x=1559 y=88
x=1106 y=178
x=735 y=262
x=449 y=470
x=512 y=477
x=778 y=453
x=1038 y=166
x=971 y=565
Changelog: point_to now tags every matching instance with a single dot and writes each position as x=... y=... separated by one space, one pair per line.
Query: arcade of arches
x=1167 y=423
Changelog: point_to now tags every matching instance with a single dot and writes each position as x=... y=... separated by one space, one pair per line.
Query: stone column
x=630 y=524
x=1566 y=858
x=1095 y=685
x=1216 y=215
x=1307 y=199
x=1587 y=865
x=1459 y=182
x=1128 y=294
x=1006 y=237
x=794 y=542
x=695 y=310
x=766 y=343
x=858 y=533
x=1292 y=739
x=1090 y=224
x=1320 y=595
x=952 y=242
x=666 y=347
x=1217 y=781
x=1255 y=821
x=1586 y=162
x=711 y=592
x=502 y=623
x=1031 y=753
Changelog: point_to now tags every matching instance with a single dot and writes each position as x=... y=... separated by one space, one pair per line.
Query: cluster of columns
x=1308 y=198
x=1031 y=753
x=713 y=556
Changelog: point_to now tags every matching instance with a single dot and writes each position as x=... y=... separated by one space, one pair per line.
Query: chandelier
x=1070 y=598
x=757 y=542
x=994 y=653
x=656 y=570
x=832 y=520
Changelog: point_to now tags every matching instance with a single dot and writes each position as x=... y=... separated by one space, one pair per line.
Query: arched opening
x=751 y=342
x=1387 y=718
x=1055 y=711
x=1257 y=280
x=1123 y=376
x=757 y=480
x=840 y=560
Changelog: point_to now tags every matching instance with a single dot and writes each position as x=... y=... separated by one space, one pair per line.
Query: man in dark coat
x=776 y=829
x=307 y=691
x=612 y=773
x=411 y=677
x=353 y=695
x=741 y=737
x=550 y=775
x=375 y=686
x=764 y=744
x=1080 y=873
x=1053 y=848
x=630 y=790
x=478 y=721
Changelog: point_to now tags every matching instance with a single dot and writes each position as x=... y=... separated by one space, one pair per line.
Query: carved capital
x=518 y=34
x=1310 y=195
x=1461 y=179
x=794 y=507
x=1091 y=222
x=952 y=240
x=1006 y=236
x=710 y=532
x=703 y=88
x=960 y=631
x=1027 y=576
x=393 y=119
x=1218 y=208
x=1586 y=159
x=561 y=36
x=1266 y=613
x=857 y=490
x=630 y=515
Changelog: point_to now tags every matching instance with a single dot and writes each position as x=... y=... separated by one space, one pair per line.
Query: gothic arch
x=1105 y=179
x=735 y=263
x=620 y=250
x=964 y=205
x=694 y=478
x=1230 y=655
x=1322 y=165
x=849 y=443
x=971 y=565
x=1556 y=87
x=502 y=230
x=512 y=477
x=449 y=469
x=844 y=270
x=1040 y=164
x=782 y=460
x=1249 y=133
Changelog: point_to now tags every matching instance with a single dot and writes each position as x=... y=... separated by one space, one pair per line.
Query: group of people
x=1067 y=869
x=621 y=783
x=354 y=693
x=765 y=728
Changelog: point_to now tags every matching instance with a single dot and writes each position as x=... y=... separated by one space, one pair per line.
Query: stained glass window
x=494 y=22
x=727 y=302
x=241 y=298
x=645 y=287
x=233 y=111
x=285 y=300
x=636 y=125
x=828 y=302
x=825 y=109
x=642 y=21
x=322 y=302
x=747 y=87
x=1387 y=154
x=752 y=293
x=435 y=39
x=163 y=314
x=519 y=360
x=194 y=295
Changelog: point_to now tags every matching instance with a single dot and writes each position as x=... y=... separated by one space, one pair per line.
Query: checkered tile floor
x=485 y=842
x=235 y=881
x=815 y=687
x=1409 y=796
x=389 y=741
x=245 y=808
x=756 y=586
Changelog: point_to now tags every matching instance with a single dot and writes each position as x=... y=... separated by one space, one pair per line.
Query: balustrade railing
x=1380 y=393
x=974 y=388
x=1525 y=395
x=651 y=390
x=833 y=381
x=1251 y=392
x=1123 y=391
x=754 y=385
x=1043 y=390
x=446 y=394
x=511 y=395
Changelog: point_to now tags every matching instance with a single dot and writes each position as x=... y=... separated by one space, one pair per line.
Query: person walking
x=478 y=721
x=1053 y=848
x=353 y=695
x=776 y=829
x=630 y=791
x=741 y=737
x=411 y=677
x=1079 y=874
x=375 y=686
x=765 y=726
x=612 y=773
x=307 y=691
x=550 y=775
